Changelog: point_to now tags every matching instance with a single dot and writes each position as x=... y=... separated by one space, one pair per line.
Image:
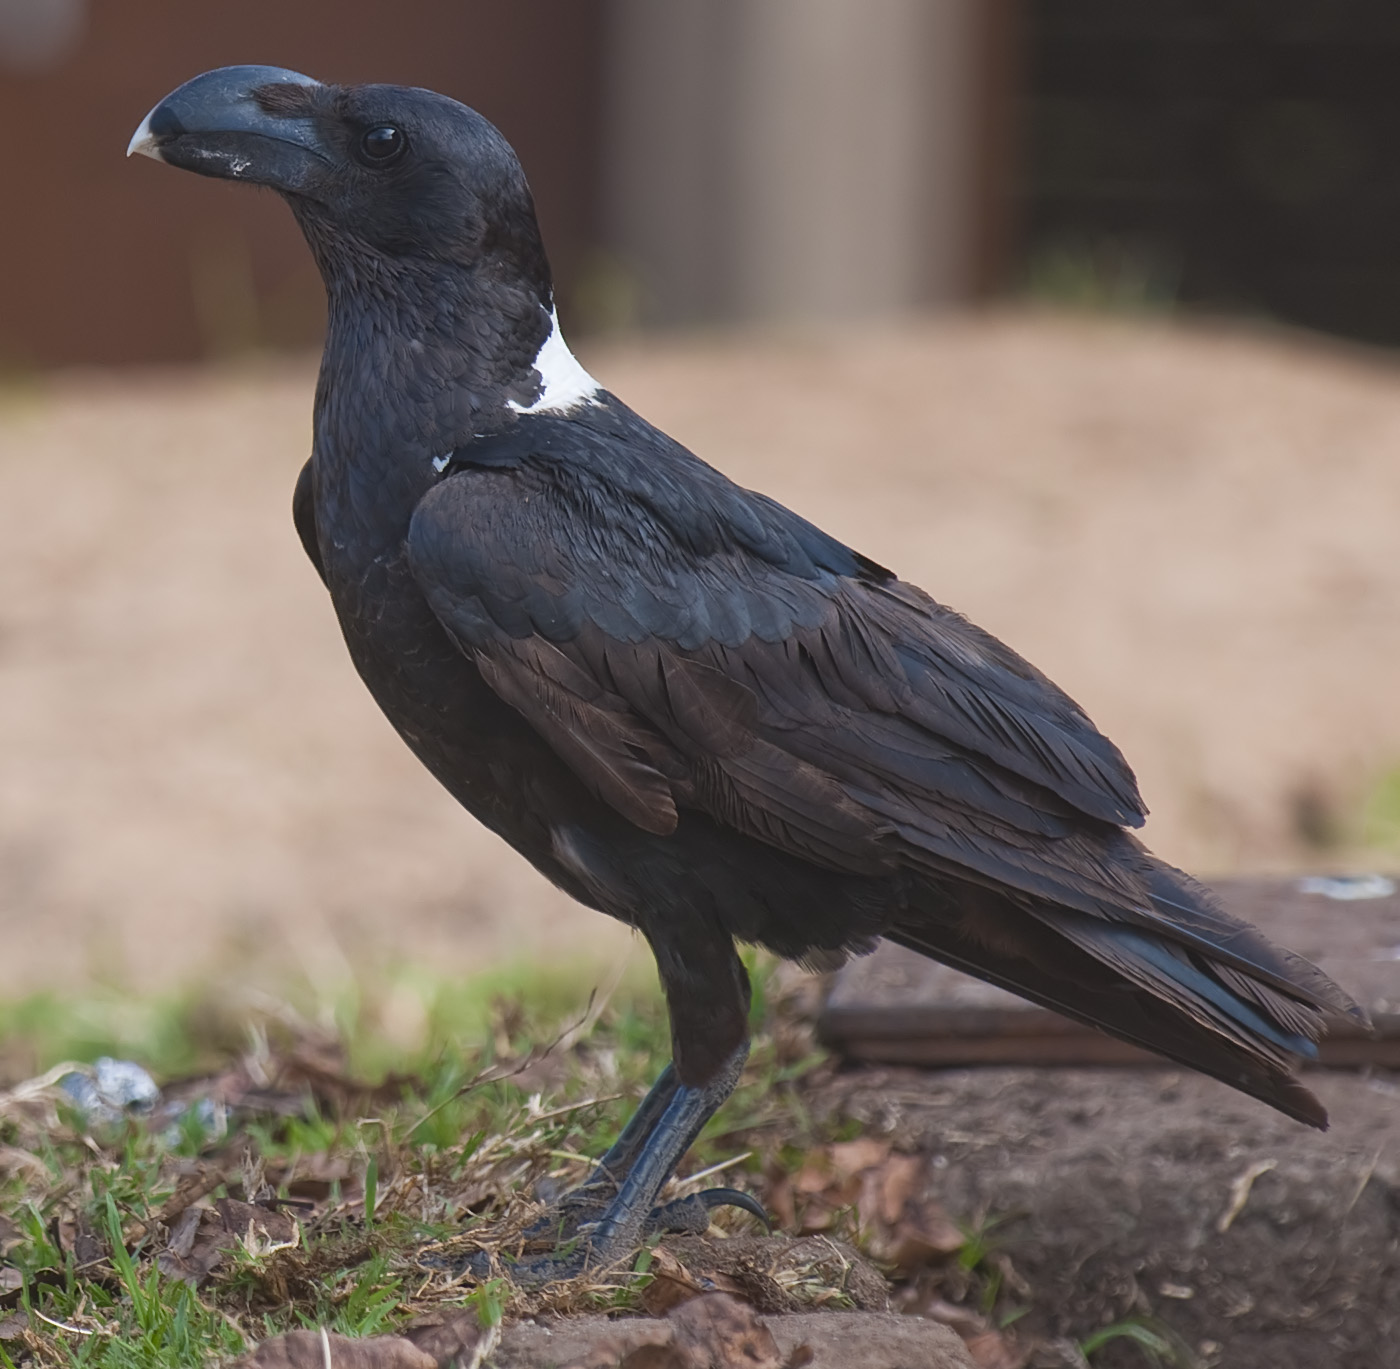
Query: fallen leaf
x=781 y=1200
x=190 y=1190
x=920 y=1240
x=851 y=1157
x=813 y=1177
x=892 y=1186
x=197 y=1244
x=203 y=1236
x=671 y=1283
x=77 y=1237
x=261 y=1230
x=884 y=1189
x=988 y=1347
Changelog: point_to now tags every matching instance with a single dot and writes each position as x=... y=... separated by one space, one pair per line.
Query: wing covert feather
x=679 y=643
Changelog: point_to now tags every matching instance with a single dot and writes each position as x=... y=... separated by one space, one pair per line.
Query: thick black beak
x=217 y=125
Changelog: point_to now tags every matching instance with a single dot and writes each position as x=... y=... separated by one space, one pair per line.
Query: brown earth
x=709 y=1332
x=1164 y=1198
x=1192 y=530
x=835 y=1340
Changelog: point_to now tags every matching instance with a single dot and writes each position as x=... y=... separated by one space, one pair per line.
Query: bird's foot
x=576 y=1214
x=605 y=1242
x=601 y=1223
x=569 y=1217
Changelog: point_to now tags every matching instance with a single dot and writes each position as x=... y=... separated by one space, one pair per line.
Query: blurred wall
x=1236 y=155
x=797 y=158
x=112 y=261
x=692 y=160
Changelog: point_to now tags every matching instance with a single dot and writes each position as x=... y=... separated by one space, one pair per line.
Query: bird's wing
x=681 y=642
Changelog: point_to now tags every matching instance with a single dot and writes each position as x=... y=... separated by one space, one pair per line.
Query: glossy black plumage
x=702 y=649
x=682 y=702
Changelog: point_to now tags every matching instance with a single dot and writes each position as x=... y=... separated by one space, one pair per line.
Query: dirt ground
x=1158 y=1194
x=1193 y=530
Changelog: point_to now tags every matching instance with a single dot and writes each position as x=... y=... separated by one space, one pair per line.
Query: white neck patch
x=564 y=384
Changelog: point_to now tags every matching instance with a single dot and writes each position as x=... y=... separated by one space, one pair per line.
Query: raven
x=684 y=704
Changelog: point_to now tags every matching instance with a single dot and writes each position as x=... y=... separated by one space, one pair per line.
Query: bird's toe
x=691 y=1216
x=572 y=1215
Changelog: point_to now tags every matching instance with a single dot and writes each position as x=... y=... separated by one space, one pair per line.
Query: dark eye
x=383 y=145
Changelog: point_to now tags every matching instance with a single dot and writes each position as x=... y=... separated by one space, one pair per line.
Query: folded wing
x=684 y=644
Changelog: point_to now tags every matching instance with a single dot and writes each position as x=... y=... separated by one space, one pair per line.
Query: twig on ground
x=1239 y=1193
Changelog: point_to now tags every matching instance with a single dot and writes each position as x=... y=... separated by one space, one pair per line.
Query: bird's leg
x=586 y=1203
x=622 y=1154
x=607 y=1217
x=646 y=1154
x=633 y=1213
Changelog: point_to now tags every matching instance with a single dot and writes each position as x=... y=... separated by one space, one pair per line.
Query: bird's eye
x=383 y=145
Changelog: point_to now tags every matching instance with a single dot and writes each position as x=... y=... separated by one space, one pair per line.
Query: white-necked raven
x=681 y=702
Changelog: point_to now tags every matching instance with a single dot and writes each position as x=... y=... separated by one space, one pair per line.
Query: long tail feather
x=1248 y=1019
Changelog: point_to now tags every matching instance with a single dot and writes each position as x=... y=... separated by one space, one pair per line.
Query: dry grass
x=311 y=1198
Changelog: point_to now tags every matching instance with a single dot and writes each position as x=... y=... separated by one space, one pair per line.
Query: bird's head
x=388 y=172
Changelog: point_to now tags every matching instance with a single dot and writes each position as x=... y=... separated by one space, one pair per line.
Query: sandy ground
x=1194 y=531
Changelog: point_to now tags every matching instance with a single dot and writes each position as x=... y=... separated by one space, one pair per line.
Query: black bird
x=684 y=704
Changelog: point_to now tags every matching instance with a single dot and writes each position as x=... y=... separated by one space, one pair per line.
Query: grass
x=1159 y=1345
x=180 y=1033
x=1380 y=816
x=382 y=1148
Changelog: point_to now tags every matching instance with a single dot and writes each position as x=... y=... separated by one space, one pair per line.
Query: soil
x=1192 y=530
x=837 y=1340
x=1152 y=1193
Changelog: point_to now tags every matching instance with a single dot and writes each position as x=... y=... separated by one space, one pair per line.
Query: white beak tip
x=142 y=143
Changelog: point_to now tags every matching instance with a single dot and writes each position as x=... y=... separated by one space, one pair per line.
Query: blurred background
x=1076 y=312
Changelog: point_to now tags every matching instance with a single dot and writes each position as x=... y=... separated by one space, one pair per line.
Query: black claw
x=691 y=1216
x=733 y=1197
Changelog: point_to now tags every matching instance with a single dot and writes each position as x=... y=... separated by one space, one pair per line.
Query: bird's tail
x=1185 y=979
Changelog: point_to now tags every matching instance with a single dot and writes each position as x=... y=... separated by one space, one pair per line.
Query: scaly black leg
x=640 y=1163
x=628 y=1217
x=622 y=1154
x=586 y=1203
x=707 y=992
